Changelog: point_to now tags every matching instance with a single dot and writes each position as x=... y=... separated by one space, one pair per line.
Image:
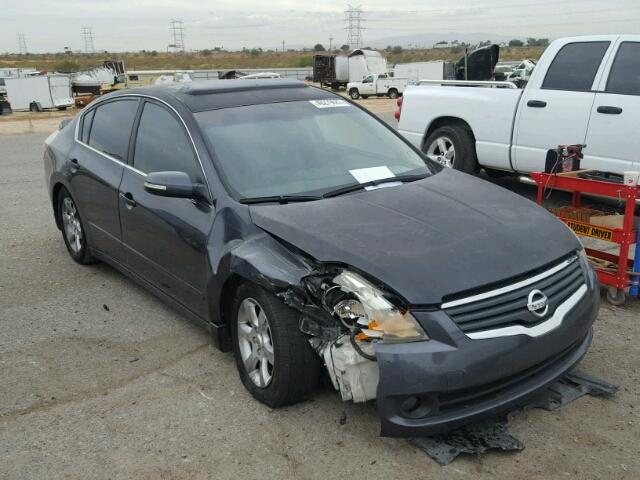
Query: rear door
x=96 y=163
x=165 y=239
x=613 y=138
x=555 y=107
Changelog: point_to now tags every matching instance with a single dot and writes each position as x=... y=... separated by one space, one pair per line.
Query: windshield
x=303 y=147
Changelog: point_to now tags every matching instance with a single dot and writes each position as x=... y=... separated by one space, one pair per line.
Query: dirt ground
x=100 y=380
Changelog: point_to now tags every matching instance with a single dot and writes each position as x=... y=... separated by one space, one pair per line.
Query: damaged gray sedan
x=312 y=239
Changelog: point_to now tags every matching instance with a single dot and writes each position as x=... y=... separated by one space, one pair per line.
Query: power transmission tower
x=177 y=29
x=22 y=44
x=87 y=37
x=354 y=28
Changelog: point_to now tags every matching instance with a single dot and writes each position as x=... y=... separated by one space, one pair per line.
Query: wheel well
x=227 y=295
x=54 y=200
x=445 y=121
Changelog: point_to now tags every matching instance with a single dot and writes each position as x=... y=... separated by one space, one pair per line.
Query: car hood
x=443 y=235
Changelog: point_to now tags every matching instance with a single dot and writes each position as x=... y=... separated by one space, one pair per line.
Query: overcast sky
x=118 y=25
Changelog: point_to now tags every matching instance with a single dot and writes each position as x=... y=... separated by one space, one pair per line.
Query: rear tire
x=393 y=93
x=354 y=94
x=73 y=229
x=275 y=361
x=460 y=139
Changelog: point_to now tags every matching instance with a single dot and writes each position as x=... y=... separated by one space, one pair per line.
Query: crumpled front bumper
x=431 y=387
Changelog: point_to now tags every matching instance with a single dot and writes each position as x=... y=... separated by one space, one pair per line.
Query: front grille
x=507 y=306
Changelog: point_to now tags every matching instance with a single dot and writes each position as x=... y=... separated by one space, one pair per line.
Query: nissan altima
x=312 y=239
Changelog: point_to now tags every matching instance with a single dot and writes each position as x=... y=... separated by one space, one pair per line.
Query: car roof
x=206 y=95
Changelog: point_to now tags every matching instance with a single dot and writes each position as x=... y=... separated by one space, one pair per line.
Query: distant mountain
x=428 y=40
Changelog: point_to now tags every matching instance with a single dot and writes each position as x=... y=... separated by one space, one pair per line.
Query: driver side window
x=162 y=144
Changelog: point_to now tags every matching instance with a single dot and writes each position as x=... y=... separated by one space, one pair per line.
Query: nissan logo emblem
x=538 y=303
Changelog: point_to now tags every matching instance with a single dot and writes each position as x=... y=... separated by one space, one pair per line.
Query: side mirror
x=171 y=184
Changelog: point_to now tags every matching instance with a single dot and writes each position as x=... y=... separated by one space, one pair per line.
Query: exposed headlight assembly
x=364 y=307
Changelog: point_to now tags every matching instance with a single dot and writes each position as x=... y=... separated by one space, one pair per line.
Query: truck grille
x=507 y=306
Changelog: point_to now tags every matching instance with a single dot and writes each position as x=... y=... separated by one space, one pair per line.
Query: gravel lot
x=99 y=379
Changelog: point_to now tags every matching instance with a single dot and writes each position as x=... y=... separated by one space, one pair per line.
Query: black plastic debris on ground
x=474 y=439
x=493 y=435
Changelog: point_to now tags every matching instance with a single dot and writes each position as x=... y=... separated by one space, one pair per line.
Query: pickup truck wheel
x=393 y=93
x=354 y=93
x=275 y=361
x=453 y=147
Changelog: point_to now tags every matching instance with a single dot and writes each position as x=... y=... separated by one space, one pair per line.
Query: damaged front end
x=345 y=315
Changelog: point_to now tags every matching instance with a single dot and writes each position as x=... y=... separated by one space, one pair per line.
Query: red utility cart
x=616 y=279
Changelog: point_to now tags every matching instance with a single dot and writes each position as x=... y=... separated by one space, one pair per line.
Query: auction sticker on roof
x=329 y=103
x=590 y=230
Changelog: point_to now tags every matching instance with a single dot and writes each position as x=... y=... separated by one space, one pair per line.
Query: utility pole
x=177 y=29
x=282 y=46
x=330 y=44
x=87 y=37
x=354 y=28
x=22 y=44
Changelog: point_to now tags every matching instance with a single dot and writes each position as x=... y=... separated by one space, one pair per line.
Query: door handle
x=609 y=110
x=536 y=104
x=128 y=200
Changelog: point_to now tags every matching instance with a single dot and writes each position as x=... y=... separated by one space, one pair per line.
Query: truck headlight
x=366 y=306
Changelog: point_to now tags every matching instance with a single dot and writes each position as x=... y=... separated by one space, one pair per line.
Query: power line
x=87 y=37
x=177 y=29
x=478 y=18
x=22 y=44
x=354 y=28
x=454 y=10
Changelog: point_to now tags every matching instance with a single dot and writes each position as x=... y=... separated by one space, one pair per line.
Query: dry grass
x=225 y=60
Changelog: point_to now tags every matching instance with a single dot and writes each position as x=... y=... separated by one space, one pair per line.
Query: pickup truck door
x=556 y=105
x=613 y=140
x=368 y=85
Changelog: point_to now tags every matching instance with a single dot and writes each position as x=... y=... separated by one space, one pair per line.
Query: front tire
x=452 y=146
x=354 y=94
x=275 y=361
x=73 y=230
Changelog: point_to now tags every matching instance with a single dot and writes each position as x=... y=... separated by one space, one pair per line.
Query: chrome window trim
x=509 y=288
x=138 y=95
x=537 y=330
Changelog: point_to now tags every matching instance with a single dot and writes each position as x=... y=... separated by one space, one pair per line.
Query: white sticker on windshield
x=364 y=175
x=329 y=103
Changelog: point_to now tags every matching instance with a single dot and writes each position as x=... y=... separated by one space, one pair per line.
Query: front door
x=368 y=86
x=613 y=138
x=555 y=110
x=165 y=239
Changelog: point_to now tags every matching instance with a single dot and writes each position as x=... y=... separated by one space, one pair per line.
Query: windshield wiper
x=359 y=186
x=279 y=199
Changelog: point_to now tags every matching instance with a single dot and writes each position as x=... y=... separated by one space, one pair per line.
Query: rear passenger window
x=624 y=78
x=162 y=144
x=111 y=127
x=86 y=125
x=575 y=66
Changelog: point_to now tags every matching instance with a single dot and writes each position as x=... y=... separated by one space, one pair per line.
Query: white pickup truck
x=584 y=90
x=379 y=85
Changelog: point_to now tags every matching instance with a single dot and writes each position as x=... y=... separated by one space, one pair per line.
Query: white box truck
x=39 y=92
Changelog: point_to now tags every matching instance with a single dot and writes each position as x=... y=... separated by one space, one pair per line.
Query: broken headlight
x=361 y=306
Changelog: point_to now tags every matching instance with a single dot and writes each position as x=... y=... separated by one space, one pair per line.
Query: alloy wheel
x=255 y=342
x=72 y=226
x=441 y=150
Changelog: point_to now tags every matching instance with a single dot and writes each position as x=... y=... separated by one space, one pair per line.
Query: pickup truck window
x=624 y=78
x=575 y=66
